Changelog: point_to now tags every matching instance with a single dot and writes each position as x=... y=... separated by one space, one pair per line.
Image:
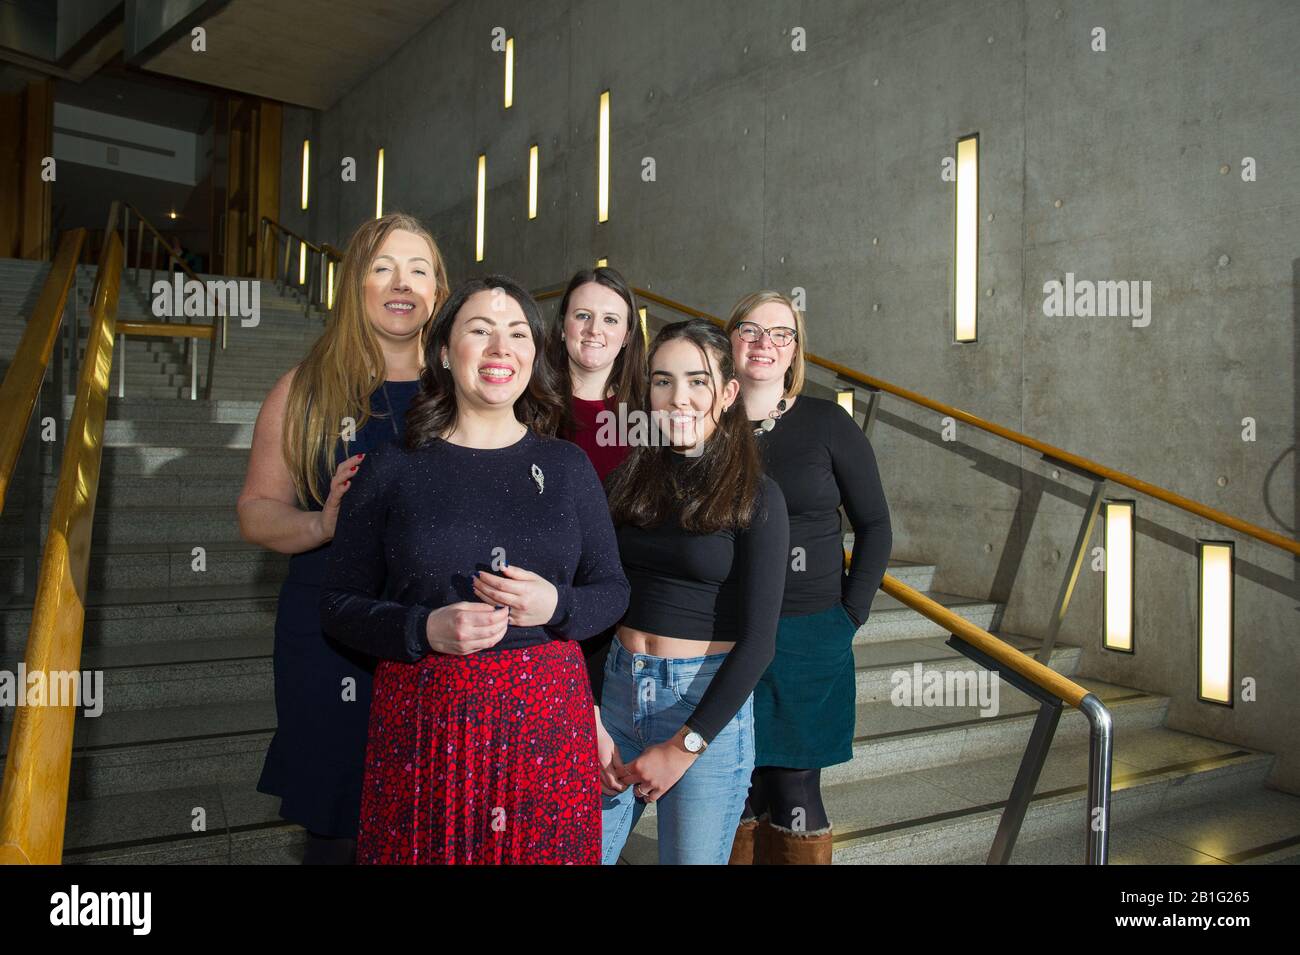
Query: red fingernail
x=354 y=467
x=361 y=455
x=347 y=483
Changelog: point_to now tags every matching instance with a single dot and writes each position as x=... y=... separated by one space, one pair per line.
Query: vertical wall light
x=966 y=256
x=1117 y=578
x=645 y=329
x=532 y=182
x=302 y=263
x=1214 y=622
x=602 y=182
x=482 y=199
x=602 y=263
x=844 y=398
x=306 y=168
x=379 y=186
x=510 y=71
x=329 y=282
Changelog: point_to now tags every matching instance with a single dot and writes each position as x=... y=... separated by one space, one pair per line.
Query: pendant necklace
x=768 y=423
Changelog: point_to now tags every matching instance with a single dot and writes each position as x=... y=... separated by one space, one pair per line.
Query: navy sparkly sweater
x=415 y=526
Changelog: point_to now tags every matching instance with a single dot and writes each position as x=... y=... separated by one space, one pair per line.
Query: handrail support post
x=873 y=406
x=1077 y=557
x=1022 y=790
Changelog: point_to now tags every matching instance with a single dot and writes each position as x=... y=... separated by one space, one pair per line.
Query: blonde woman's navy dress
x=323 y=688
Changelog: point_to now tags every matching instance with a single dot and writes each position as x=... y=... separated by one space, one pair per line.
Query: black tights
x=791 y=798
x=326 y=850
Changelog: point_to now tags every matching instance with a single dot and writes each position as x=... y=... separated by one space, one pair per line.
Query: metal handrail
x=1099 y=471
x=996 y=654
x=22 y=382
x=34 y=794
x=316 y=278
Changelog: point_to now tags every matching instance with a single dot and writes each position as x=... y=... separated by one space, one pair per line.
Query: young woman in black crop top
x=805 y=702
x=703 y=535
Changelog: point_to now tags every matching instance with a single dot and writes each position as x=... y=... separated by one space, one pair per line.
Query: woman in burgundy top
x=595 y=347
x=599 y=355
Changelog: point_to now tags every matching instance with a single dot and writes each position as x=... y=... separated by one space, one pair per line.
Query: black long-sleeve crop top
x=723 y=586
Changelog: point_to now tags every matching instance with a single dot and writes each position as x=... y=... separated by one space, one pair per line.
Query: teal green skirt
x=805 y=705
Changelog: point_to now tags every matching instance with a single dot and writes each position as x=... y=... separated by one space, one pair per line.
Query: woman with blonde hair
x=345 y=399
x=805 y=702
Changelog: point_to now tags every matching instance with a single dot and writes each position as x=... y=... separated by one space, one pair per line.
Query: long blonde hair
x=794 y=375
x=345 y=365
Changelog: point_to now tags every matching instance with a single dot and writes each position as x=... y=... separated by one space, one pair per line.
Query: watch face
x=694 y=742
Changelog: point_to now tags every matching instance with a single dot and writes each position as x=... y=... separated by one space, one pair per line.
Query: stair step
x=180 y=673
x=1251 y=828
x=242 y=825
x=206 y=524
x=126 y=616
x=124 y=751
x=891 y=619
x=950 y=812
x=892 y=739
x=162 y=564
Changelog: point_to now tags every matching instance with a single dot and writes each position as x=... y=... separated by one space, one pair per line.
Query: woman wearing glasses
x=805 y=703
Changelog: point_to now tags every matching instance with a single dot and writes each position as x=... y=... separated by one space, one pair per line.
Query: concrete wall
x=821 y=169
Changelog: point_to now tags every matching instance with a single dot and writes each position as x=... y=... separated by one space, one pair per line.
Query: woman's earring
x=445 y=363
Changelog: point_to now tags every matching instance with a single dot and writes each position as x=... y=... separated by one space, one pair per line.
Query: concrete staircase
x=186 y=657
x=186 y=654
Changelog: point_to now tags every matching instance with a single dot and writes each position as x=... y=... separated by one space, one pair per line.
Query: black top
x=416 y=525
x=720 y=586
x=821 y=459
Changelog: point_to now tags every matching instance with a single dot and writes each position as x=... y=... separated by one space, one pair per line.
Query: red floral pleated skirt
x=484 y=759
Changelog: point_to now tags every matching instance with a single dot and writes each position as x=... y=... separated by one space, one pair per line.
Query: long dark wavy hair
x=628 y=374
x=433 y=410
x=713 y=492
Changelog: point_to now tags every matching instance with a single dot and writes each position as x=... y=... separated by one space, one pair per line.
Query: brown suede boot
x=742 y=847
x=797 y=848
x=763 y=841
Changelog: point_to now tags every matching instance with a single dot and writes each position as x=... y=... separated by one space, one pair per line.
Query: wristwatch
x=694 y=742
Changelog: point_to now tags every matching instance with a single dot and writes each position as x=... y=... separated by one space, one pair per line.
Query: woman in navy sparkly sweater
x=469 y=562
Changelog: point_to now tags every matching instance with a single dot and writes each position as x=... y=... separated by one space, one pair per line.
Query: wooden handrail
x=173 y=253
x=22 y=382
x=34 y=795
x=1074 y=460
x=166 y=330
x=1062 y=687
x=324 y=247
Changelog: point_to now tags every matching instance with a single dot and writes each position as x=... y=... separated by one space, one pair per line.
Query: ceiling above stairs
x=305 y=52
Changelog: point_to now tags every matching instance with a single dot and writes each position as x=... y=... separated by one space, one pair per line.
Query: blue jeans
x=645 y=701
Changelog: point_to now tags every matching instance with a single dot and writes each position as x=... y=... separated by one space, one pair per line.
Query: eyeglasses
x=751 y=332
